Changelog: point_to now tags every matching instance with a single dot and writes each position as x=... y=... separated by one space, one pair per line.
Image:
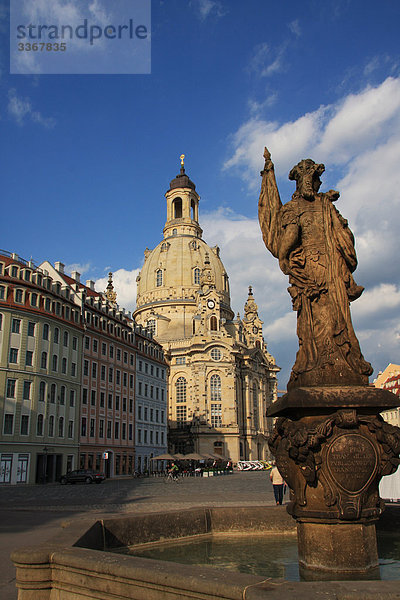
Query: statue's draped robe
x=320 y=264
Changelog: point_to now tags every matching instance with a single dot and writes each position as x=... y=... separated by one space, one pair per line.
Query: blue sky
x=86 y=159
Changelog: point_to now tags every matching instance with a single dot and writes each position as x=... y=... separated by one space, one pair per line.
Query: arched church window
x=177 y=204
x=151 y=326
x=174 y=231
x=180 y=388
x=196 y=276
x=215 y=388
x=193 y=210
x=159 y=277
x=213 y=323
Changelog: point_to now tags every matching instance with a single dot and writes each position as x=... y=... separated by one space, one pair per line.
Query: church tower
x=221 y=377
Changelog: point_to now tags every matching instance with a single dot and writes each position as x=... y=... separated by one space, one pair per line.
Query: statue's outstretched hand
x=268 y=162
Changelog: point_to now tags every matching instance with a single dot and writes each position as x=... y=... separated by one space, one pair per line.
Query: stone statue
x=315 y=247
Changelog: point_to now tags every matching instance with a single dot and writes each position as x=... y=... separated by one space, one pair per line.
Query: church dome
x=173 y=271
x=182 y=265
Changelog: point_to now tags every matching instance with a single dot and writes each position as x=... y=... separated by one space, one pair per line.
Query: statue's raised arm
x=269 y=207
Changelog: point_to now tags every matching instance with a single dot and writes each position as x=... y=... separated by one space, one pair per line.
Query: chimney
x=90 y=284
x=75 y=275
x=59 y=266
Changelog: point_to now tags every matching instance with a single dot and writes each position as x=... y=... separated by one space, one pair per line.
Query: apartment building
x=40 y=373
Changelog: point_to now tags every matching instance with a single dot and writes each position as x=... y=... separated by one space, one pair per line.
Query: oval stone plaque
x=352 y=462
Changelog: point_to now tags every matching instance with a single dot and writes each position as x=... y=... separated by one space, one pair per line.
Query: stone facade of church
x=221 y=376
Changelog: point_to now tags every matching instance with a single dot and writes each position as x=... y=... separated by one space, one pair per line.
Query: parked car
x=82 y=476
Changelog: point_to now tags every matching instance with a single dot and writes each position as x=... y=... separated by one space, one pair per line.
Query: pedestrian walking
x=278 y=484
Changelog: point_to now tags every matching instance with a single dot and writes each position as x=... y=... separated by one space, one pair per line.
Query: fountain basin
x=82 y=566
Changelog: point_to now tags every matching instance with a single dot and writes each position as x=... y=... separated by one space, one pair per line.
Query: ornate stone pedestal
x=332 y=447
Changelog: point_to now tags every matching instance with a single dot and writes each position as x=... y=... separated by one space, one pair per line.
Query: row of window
x=44 y=388
x=103 y=374
x=144 y=367
x=121 y=464
x=108 y=326
x=156 y=416
x=17 y=324
x=160 y=277
x=213 y=322
x=150 y=349
x=150 y=437
x=31 y=330
x=215 y=415
x=21 y=296
x=215 y=389
x=93 y=345
x=14 y=355
x=151 y=391
x=9 y=421
x=110 y=400
x=88 y=428
x=34 y=276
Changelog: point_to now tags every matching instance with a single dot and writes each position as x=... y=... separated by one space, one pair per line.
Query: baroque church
x=221 y=378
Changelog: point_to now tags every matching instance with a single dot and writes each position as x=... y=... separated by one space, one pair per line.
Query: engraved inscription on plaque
x=352 y=462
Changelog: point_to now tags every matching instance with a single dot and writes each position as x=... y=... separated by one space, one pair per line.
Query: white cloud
x=256 y=107
x=282 y=329
x=335 y=133
x=62 y=12
x=247 y=261
x=81 y=268
x=360 y=137
x=360 y=120
x=294 y=27
x=21 y=109
x=377 y=323
x=377 y=305
x=267 y=60
x=286 y=142
x=124 y=284
x=208 y=8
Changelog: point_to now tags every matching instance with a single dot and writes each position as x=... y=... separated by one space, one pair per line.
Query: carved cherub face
x=306 y=174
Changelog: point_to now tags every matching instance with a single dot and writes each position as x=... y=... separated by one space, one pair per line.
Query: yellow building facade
x=221 y=376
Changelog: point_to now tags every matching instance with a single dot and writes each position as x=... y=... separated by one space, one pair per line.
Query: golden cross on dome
x=182 y=157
